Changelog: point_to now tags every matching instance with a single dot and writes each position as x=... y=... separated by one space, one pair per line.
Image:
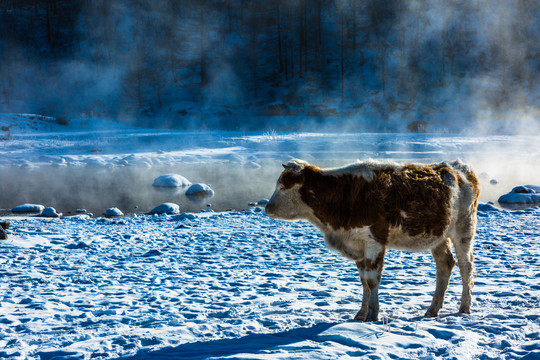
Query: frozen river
x=95 y=170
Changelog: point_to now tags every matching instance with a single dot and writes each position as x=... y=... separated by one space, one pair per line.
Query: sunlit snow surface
x=242 y=285
x=239 y=284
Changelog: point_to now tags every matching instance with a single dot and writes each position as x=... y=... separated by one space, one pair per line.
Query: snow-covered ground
x=237 y=284
x=241 y=285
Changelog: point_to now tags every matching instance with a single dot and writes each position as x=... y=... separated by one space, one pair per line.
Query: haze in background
x=437 y=66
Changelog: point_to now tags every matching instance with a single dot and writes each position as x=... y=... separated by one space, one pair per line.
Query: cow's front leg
x=444 y=261
x=370 y=269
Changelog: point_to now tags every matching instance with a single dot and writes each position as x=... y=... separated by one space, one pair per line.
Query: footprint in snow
x=152 y=253
x=79 y=245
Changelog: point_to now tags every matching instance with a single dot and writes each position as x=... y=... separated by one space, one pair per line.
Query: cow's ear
x=292 y=168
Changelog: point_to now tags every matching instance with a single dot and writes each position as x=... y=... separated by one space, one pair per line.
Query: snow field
x=241 y=285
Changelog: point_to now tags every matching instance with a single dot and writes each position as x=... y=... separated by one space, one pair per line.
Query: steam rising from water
x=74 y=185
x=460 y=66
x=130 y=188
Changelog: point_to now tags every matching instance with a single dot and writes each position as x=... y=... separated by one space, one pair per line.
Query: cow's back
x=427 y=200
x=419 y=199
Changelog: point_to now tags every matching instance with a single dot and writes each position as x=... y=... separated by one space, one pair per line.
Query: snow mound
x=200 y=190
x=528 y=194
x=96 y=163
x=28 y=208
x=50 y=212
x=252 y=165
x=487 y=207
x=171 y=180
x=138 y=161
x=113 y=212
x=166 y=208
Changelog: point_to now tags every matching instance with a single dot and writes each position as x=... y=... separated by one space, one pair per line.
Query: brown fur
x=347 y=201
x=290 y=178
x=475 y=184
x=370 y=265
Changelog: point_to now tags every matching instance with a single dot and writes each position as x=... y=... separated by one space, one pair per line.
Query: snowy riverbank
x=95 y=165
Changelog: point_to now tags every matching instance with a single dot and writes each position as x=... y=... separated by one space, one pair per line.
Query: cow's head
x=286 y=202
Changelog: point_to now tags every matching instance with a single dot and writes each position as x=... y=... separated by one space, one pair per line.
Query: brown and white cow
x=365 y=208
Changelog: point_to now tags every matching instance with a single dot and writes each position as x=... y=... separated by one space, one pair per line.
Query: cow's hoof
x=431 y=313
x=465 y=310
x=360 y=316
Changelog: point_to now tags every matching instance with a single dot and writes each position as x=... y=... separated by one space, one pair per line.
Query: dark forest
x=241 y=64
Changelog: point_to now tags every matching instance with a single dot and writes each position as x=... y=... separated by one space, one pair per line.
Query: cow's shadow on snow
x=250 y=344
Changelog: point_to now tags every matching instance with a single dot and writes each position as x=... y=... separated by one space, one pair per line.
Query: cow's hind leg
x=444 y=262
x=362 y=313
x=465 y=259
x=370 y=269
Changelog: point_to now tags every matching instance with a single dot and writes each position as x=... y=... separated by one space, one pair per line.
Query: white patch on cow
x=373 y=248
x=297 y=164
x=287 y=204
x=350 y=243
x=355 y=244
x=365 y=169
x=372 y=275
x=401 y=240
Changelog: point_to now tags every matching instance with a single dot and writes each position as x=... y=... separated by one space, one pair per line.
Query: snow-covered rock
x=200 y=190
x=171 y=180
x=166 y=208
x=28 y=208
x=487 y=207
x=139 y=161
x=528 y=194
x=50 y=212
x=262 y=202
x=96 y=163
x=113 y=212
x=25 y=164
x=252 y=165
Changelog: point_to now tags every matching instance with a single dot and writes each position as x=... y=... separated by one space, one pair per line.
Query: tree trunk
x=280 y=41
x=291 y=43
x=204 y=75
x=48 y=12
x=306 y=61
x=342 y=20
x=301 y=44
x=354 y=25
x=254 y=62
x=229 y=14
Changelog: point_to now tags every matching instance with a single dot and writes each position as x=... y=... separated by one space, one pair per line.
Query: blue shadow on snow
x=250 y=344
